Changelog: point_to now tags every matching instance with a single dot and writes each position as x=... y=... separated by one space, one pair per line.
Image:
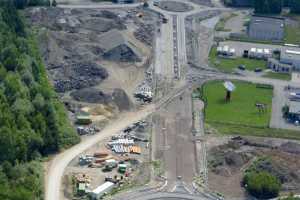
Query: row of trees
x=267 y=6
x=275 y=6
x=33 y=122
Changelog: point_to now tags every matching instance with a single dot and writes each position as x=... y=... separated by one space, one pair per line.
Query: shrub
x=262 y=184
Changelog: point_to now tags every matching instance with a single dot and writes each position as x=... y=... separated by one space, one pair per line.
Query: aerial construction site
x=146 y=93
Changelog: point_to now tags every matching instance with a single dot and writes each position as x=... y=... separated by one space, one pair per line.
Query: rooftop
x=103 y=187
x=290 y=54
x=267 y=23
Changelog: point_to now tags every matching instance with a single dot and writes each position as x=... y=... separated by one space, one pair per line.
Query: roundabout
x=175 y=6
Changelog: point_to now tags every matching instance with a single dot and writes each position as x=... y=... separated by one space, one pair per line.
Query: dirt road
x=60 y=162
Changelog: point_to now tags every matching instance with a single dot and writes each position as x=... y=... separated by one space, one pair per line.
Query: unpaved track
x=60 y=162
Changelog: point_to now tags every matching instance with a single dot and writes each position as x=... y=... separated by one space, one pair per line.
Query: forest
x=267 y=6
x=33 y=122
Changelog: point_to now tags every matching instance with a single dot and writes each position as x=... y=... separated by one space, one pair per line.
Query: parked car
x=242 y=67
x=258 y=69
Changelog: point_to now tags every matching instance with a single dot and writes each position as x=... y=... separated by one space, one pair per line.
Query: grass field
x=240 y=117
x=228 y=65
x=241 y=109
x=292 y=33
x=275 y=75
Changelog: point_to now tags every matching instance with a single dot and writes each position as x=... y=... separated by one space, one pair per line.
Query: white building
x=260 y=53
x=102 y=190
x=225 y=51
x=292 y=58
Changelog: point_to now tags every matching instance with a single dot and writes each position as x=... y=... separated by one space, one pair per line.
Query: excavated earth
x=228 y=162
x=80 y=64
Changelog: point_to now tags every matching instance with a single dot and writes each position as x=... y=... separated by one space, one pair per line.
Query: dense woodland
x=33 y=122
x=268 y=6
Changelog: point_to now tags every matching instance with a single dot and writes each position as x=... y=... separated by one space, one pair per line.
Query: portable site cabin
x=83 y=119
x=101 y=190
x=122 y=168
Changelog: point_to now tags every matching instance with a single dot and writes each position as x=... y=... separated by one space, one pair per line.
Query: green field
x=228 y=64
x=292 y=33
x=241 y=109
x=276 y=75
x=240 y=117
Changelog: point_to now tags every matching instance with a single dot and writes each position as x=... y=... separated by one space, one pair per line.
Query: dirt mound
x=235 y=159
x=91 y=95
x=121 y=99
x=228 y=163
x=77 y=76
x=291 y=147
x=145 y=33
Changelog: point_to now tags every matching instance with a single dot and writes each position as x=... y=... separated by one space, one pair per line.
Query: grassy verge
x=247 y=39
x=221 y=24
x=228 y=64
x=292 y=33
x=275 y=75
x=233 y=129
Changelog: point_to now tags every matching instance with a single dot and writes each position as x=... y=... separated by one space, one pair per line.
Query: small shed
x=102 y=190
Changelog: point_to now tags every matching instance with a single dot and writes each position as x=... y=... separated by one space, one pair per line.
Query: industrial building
x=266 y=28
x=277 y=66
x=225 y=51
x=292 y=58
x=289 y=61
x=260 y=53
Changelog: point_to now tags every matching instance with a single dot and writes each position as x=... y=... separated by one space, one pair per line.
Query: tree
x=20 y=4
x=295 y=6
x=262 y=184
x=54 y=4
x=268 y=6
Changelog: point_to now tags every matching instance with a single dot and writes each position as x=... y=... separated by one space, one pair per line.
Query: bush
x=262 y=184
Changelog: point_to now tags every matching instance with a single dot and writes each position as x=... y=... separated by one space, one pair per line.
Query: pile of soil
x=278 y=157
x=121 y=99
x=92 y=95
x=77 y=76
x=145 y=33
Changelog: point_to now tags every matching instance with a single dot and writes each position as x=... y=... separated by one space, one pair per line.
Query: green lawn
x=292 y=33
x=275 y=75
x=228 y=64
x=241 y=109
x=232 y=129
x=240 y=117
